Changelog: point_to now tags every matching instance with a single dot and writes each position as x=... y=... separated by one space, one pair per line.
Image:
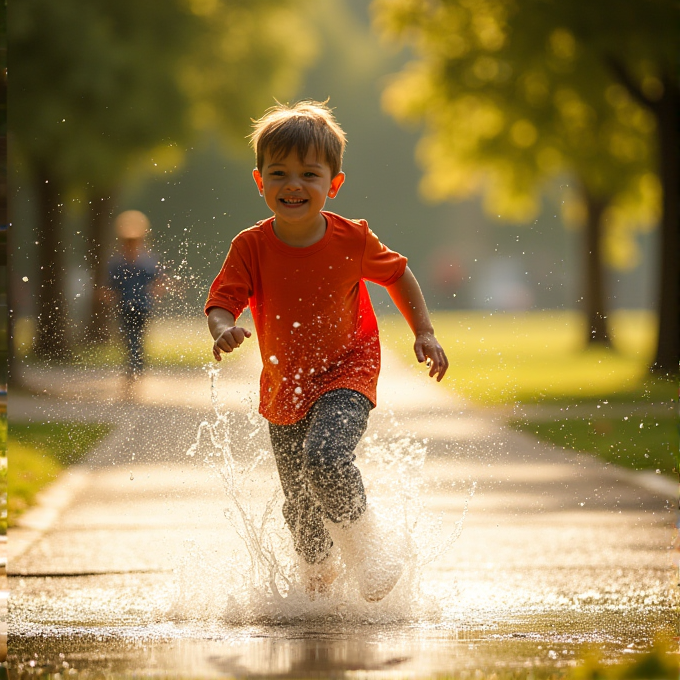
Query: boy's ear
x=257 y=176
x=336 y=183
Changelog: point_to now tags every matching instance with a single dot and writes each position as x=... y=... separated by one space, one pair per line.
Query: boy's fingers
x=229 y=341
x=443 y=366
x=438 y=363
x=239 y=335
x=420 y=355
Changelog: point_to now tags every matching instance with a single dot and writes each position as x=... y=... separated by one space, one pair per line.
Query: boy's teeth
x=293 y=200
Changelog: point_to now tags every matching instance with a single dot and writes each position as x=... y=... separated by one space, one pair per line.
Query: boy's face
x=131 y=247
x=296 y=191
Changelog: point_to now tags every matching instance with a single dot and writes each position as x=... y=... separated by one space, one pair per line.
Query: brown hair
x=305 y=125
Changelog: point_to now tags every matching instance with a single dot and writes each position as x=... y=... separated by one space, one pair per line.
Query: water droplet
x=25 y=279
x=274 y=359
x=132 y=477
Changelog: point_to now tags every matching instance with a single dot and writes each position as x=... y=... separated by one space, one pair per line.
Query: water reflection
x=556 y=555
x=301 y=651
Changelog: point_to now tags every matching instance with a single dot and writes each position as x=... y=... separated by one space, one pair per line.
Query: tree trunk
x=668 y=343
x=101 y=213
x=51 y=341
x=667 y=114
x=594 y=285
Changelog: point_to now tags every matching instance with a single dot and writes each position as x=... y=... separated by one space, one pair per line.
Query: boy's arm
x=408 y=297
x=226 y=334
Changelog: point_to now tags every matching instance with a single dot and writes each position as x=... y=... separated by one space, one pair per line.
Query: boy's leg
x=132 y=322
x=137 y=342
x=301 y=510
x=337 y=422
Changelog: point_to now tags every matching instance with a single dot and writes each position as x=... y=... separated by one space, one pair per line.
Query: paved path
x=557 y=550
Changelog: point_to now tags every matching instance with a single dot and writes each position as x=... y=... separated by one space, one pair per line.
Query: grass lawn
x=38 y=452
x=504 y=358
x=633 y=442
x=3 y=470
x=173 y=342
x=497 y=359
x=500 y=359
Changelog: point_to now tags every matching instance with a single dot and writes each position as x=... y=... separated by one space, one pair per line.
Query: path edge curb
x=51 y=502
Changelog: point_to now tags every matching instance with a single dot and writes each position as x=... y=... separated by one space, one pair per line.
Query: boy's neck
x=300 y=236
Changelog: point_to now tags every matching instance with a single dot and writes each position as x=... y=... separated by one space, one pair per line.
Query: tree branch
x=623 y=76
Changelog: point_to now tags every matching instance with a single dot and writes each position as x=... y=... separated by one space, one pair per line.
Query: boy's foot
x=319 y=577
x=377 y=560
x=130 y=387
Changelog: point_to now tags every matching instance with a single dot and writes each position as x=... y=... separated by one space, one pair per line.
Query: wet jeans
x=133 y=324
x=315 y=458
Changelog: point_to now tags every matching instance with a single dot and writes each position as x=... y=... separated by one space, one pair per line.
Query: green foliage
x=515 y=94
x=97 y=84
x=248 y=54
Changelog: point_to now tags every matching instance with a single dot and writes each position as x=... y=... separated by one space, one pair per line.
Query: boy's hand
x=229 y=340
x=426 y=347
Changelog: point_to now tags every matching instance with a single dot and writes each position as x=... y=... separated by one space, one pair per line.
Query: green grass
x=39 y=452
x=541 y=358
x=3 y=470
x=503 y=358
x=497 y=359
x=639 y=443
x=172 y=342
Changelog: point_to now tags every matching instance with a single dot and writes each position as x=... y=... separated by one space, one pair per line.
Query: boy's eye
x=310 y=174
x=276 y=173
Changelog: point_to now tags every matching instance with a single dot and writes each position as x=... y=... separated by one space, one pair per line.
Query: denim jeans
x=315 y=459
x=133 y=324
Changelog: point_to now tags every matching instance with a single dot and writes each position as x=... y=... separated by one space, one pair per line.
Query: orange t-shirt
x=315 y=323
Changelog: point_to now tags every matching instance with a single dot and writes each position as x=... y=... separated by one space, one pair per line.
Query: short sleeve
x=233 y=286
x=380 y=264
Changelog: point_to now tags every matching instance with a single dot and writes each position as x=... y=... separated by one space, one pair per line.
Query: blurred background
x=524 y=157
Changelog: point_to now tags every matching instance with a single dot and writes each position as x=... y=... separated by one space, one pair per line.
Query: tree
x=98 y=86
x=513 y=94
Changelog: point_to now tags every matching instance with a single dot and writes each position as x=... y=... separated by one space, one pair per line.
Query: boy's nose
x=293 y=182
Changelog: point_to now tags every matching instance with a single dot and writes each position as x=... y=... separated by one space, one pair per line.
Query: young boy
x=302 y=274
x=134 y=283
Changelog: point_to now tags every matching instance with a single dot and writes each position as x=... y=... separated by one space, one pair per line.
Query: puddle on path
x=531 y=583
x=143 y=643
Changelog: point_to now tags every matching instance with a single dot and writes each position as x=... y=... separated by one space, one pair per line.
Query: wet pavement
x=521 y=557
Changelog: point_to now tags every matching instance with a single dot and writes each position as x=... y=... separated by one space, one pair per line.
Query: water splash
x=263 y=580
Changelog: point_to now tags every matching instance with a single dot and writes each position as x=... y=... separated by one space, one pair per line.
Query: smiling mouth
x=293 y=201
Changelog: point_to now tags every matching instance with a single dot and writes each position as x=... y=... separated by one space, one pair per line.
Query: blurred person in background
x=134 y=279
